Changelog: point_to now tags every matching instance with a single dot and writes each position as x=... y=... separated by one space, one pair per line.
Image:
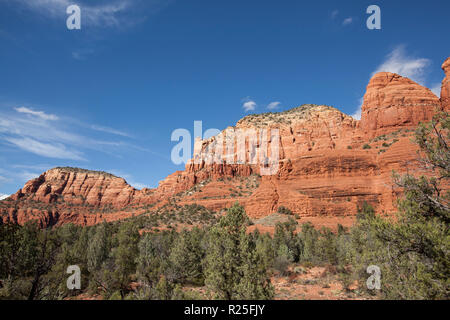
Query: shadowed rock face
x=329 y=165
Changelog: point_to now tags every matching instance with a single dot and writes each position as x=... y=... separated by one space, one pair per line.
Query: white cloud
x=39 y=114
x=347 y=21
x=248 y=105
x=398 y=61
x=273 y=105
x=3 y=196
x=57 y=151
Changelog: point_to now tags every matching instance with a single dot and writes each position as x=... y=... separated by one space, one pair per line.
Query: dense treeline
x=120 y=261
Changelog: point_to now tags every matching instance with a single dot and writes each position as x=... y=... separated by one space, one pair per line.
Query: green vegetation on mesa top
x=300 y=112
x=80 y=170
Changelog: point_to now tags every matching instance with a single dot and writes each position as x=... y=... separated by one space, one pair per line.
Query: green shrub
x=284 y=210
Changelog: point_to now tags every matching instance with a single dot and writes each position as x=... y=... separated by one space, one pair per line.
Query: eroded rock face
x=445 y=88
x=393 y=102
x=77 y=186
x=329 y=164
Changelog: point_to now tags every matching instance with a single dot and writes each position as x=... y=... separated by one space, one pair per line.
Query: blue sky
x=108 y=96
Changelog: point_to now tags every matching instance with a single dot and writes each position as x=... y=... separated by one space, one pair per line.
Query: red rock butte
x=329 y=165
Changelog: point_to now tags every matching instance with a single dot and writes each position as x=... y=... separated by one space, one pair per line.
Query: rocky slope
x=329 y=164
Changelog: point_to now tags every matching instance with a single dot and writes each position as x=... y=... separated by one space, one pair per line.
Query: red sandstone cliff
x=329 y=164
x=77 y=186
x=392 y=102
x=445 y=88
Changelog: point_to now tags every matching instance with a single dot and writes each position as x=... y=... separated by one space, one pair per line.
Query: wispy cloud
x=347 y=21
x=39 y=114
x=398 y=61
x=51 y=136
x=273 y=105
x=99 y=13
x=58 y=151
x=109 y=130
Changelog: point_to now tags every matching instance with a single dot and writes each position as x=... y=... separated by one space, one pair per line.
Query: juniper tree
x=309 y=238
x=186 y=257
x=254 y=284
x=41 y=253
x=153 y=260
x=12 y=264
x=233 y=267
x=285 y=235
x=125 y=255
x=265 y=247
